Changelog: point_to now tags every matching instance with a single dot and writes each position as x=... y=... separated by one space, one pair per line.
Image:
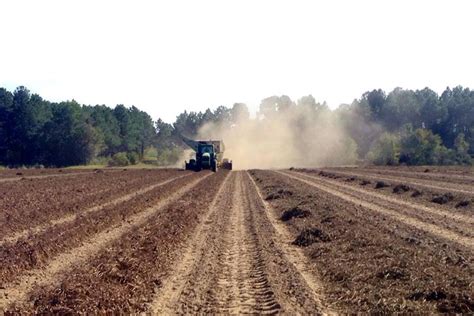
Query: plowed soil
x=299 y=241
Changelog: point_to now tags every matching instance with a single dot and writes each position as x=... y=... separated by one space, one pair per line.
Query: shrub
x=422 y=147
x=119 y=160
x=99 y=161
x=386 y=150
x=151 y=153
x=461 y=147
x=133 y=158
x=167 y=157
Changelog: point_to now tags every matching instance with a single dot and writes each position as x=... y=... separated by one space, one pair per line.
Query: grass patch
x=95 y=166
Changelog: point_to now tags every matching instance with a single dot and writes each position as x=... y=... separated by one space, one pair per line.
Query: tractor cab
x=206 y=155
x=206 y=149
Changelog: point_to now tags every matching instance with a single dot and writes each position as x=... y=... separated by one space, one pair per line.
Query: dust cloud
x=303 y=135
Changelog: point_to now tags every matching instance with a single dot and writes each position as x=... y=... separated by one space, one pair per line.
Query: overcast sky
x=168 y=56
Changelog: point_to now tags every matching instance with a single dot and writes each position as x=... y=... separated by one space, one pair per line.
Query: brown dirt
x=294 y=242
x=417 y=194
x=26 y=293
x=35 y=202
x=427 y=180
x=17 y=174
x=457 y=174
x=237 y=266
x=35 y=251
x=376 y=261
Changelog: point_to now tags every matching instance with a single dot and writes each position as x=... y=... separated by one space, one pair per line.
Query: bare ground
x=295 y=242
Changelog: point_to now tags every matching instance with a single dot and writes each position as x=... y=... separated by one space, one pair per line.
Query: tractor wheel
x=214 y=166
x=191 y=165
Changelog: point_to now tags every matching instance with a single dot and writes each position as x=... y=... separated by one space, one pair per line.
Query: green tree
x=164 y=134
x=68 y=139
x=401 y=107
x=28 y=114
x=386 y=150
x=222 y=115
x=239 y=113
x=374 y=101
x=431 y=111
x=422 y=147
x=6 y=104
x=107 y=127
x=459 y=104
x=187 y=124
x=461 y=147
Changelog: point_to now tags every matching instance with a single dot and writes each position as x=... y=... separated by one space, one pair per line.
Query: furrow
x=166 y=299
x=418 y=224
x=67 y=219
x=443 y=186
x=294 y=255
x=464 y=219
x=17 y=292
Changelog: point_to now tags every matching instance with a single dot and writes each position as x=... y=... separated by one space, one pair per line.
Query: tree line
x=404 y=126
x=413 y=127
x=34 y=131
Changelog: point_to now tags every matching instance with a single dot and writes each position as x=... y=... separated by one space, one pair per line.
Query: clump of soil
x=392 y=274
x=448 y=303
x=281 y=193
x=381 y=184
x=19 y=173
x=365 y=182
x=350 y=179
x=309 y=236
x=99 y=171
x=325 y=174
x=416 y=193
x=428 y=296
x=327 y=219
x=463 y=203
x=457 y=305
x=400 y=188
x=412 y=240
x=443 y=199
x=294 y=212
x=329 y=175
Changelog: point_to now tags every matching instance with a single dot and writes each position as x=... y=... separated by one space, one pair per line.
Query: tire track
x=168 y=297
x=230 y=276
x=356 y=198
x=294 y=255
x=18 y=291
x=443 y=186
x=255 y=290
x=234 y=263
x=42 y=228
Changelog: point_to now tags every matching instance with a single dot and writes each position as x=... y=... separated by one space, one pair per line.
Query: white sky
x=168 y=56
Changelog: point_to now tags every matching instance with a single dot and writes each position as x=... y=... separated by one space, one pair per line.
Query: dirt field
x=299 y=241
